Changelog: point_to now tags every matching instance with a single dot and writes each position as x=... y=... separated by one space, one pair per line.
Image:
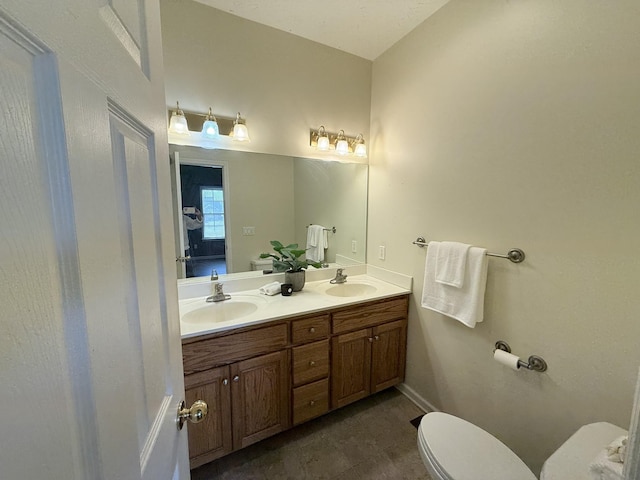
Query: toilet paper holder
x=535 y=362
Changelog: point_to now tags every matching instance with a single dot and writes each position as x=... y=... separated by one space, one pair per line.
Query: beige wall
x=500 y=124
x=282 y=84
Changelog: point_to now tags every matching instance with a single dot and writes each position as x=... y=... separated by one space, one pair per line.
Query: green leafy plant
x=288 y=258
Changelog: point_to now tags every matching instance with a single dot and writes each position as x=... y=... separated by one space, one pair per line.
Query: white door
x=90 y=355
x=176 y=194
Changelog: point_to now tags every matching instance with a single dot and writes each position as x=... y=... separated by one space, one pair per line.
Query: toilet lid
x=462 y=451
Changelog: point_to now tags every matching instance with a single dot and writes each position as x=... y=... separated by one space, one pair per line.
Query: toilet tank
x=262 y=264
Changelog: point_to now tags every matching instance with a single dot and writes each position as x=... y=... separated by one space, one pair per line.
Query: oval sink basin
x=225 y=311
x=350 y=290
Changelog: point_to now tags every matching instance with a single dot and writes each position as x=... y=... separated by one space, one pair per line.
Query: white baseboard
x=412 y=395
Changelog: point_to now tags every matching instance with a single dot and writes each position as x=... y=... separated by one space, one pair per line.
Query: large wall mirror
x=248 y=199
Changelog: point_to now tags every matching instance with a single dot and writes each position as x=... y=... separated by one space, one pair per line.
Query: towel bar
x=332 y=229
x=515 y=254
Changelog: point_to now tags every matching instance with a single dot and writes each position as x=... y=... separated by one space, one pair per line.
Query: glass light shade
x=323 y=143
x=360 y=150
x=178 y=123
x=342 y=147
x=210 y=129
x=240 y=133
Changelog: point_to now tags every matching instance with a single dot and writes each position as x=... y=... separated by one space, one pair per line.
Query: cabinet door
x=210 y=438
x=350 y=367
x=388 y=355
x=261 y=400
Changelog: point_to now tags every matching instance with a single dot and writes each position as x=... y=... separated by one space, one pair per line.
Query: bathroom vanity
x=299 y=358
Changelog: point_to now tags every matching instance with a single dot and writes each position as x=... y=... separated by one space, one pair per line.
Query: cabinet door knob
x=236 y=378
x=377 y=337
x=225 y=381
x=370 y=340
x=312 y=363
x=312 y=403
x=312 y=330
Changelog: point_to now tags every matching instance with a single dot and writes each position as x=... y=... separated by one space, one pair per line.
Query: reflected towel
x=465 y=304
x=316 y=243
x=451 y=263
x=270 y=289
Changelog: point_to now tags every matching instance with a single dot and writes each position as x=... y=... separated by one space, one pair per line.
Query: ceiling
x=365 y=28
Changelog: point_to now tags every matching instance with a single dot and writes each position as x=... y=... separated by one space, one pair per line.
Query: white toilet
x=454 y=449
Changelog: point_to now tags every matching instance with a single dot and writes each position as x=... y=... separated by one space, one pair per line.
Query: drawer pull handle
x=312 y=330
x=312 y=403
x=236 y=378
x=312 y=363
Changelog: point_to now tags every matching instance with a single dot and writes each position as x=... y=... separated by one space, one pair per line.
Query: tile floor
x=371 y=439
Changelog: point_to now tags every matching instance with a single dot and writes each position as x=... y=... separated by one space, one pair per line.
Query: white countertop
x=312 y=298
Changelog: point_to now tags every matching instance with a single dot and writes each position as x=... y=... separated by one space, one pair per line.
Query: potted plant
x=289 y=261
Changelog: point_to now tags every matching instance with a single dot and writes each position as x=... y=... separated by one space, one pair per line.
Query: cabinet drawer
x=213 y=352
x=310 y=329
x=310 y=362
x=370 y=315
x=311 y=400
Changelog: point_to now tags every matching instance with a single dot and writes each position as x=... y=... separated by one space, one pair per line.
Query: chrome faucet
x=340 y=278
x=218 y=295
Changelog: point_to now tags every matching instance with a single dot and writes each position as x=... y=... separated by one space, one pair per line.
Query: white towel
x=316 y=243
x=451 y=263
x=465 y=304
x=270 y=289
x=604 y=467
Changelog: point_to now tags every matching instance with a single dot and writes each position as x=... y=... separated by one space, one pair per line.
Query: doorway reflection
x=202 y=191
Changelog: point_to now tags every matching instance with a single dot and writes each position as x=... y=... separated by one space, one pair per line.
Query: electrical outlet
x=382 y=252
x=248 y=230
x=354 y=246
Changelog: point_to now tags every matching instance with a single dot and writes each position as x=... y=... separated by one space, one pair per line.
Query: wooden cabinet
x=248 y=400
x=368 y=360
x=211 y=438
x=260 y=398
x=258 y=381
x=310 y=367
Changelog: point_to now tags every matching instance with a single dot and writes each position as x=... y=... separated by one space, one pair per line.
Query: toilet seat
x=454 y=449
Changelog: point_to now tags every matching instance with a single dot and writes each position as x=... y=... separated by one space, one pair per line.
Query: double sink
x=248 y=307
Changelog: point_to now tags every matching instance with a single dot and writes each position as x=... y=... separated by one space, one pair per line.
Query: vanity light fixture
x=342 y=145
x=359 y=148
x=339 y=143
x=178 y=122
x=210 y=128
x=323 y=139
x=240 y=132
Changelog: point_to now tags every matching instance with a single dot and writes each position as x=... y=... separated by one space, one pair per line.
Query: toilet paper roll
x=506 y=358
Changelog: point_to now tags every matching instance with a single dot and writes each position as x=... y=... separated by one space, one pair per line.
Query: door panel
x=260 y=395
x=211 y=438
x=388 y=355
x=350 y=367
x=93 y=337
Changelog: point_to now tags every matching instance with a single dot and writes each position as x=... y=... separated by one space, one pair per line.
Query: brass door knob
x=195 y=414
